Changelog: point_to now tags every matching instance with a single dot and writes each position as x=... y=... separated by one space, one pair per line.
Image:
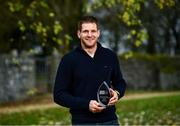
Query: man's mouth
x=89 y=39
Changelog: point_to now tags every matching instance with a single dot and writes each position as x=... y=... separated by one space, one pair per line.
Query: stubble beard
x=89 y=46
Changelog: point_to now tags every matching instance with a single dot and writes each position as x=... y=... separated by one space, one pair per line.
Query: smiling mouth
x=90 y=39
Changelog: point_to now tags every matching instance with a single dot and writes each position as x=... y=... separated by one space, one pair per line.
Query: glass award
x=103 y=94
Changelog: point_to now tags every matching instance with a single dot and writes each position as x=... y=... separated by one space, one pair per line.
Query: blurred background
x=35 y=34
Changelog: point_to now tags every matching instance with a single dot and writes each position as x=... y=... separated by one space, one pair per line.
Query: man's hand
x=114 y=97
x=95 y=107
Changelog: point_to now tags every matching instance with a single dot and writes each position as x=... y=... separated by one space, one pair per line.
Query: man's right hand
x=95 y=107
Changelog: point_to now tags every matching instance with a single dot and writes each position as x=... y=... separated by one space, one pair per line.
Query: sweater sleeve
x=118 y=81
x=62 y=87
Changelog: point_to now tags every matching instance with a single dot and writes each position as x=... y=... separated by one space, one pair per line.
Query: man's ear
x=99 y=32
x=78 y=34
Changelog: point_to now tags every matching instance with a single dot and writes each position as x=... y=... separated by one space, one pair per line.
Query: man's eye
x=85 y=31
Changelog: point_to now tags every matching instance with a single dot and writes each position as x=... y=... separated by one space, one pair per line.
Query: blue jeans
x=110 y=123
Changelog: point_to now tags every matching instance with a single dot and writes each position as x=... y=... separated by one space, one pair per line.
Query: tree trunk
x=151 y=44
x=176 y=36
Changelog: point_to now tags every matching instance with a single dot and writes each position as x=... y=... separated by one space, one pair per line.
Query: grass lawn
x=162 y=110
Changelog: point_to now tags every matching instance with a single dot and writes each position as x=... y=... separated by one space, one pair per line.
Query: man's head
x=88 y=19
x=88 y=31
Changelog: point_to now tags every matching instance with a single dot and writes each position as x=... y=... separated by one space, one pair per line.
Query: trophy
x=103 y=94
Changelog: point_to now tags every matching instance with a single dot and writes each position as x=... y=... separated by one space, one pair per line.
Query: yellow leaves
x=165 y=3
x=110 y=3
x=11 y=7
x=97 y=4
x=138 y=7
x=51 y=14
x=59 y=41
x=129 y=37
x=40 y=20
x=133 y=32
x=129 y=14
x=29 y=12
x=138 y=36
x=15 y=6
x=138 y=43
x=40 y=28
x=125 y=16
x=68 y=38
x=128 y=54
x=141 y=37
x=57 y=27
x=43 y=31
x=21 y=26
x=130 y=2
x=33 y=4
x=44 y=4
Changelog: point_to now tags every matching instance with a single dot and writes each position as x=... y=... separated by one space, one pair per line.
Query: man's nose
x=89 y=33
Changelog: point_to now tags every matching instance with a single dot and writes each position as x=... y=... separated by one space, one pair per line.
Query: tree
x=122 y=21
x=7 y=23
x=162 y=19
x=69 y=12
x=143 y=23
x=45 y=24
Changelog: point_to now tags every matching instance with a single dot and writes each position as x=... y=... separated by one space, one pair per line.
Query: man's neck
x=90 y=51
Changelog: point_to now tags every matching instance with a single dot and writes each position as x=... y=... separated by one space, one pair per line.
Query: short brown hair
x=88 y=19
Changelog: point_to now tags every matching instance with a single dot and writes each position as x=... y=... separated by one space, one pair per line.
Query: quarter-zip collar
x=80 y=49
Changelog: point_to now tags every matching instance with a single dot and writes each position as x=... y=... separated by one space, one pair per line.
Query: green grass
x=47 y=116
x=164 y=110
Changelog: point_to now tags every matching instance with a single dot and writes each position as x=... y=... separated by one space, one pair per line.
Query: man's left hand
x=114 y=97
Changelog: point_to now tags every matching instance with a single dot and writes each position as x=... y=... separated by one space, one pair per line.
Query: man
x=81 y=72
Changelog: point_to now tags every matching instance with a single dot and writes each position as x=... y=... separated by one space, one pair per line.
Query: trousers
x=110 y=123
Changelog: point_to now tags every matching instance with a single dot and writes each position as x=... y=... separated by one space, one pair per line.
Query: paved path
x=22 y=108
x=149 y=95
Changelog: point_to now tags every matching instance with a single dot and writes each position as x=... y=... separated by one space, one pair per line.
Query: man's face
x=89 y=34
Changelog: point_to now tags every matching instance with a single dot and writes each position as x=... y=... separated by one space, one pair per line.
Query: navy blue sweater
x=77 y=81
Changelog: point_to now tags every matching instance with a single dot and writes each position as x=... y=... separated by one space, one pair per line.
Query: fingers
x=111 y=91
x=95 y=107
x=114 y=97
x=113 y=101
